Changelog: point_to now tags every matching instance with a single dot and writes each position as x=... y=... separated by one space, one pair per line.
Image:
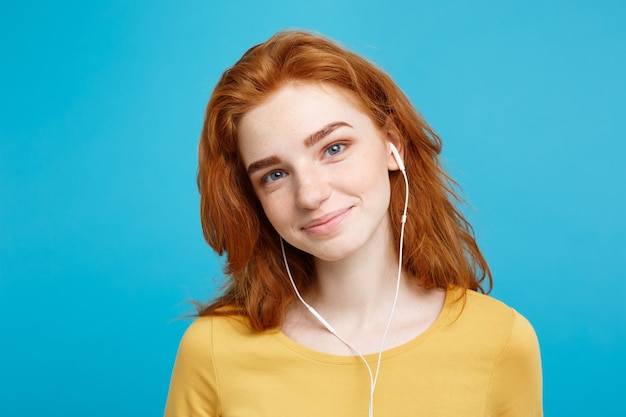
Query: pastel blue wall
x=101 y=105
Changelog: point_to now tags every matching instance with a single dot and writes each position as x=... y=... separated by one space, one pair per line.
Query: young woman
x=355 y=286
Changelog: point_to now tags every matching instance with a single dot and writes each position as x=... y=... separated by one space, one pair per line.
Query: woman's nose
x=312 y=190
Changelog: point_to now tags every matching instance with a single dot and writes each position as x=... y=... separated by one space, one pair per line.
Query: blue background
x=100 y=241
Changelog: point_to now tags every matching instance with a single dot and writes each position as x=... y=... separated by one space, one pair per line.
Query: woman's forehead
x=297 y=110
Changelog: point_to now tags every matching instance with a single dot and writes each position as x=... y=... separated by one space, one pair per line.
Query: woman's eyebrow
x=262 y=164
x=323 y=132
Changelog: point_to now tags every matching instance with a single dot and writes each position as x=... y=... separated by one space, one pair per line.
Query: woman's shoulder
x=505 y=335
x=220 y=332
x=194 y=385
x=486 y=307
x=488 y=318
x=220 y=322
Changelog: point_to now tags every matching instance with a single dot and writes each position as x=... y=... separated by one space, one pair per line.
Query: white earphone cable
x=373 y=377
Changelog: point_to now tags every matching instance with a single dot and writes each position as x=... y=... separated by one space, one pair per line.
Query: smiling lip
x=327 y=223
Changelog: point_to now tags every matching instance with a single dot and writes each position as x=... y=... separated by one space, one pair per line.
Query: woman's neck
x=358 y=306
x=359 y=287
x=355 y=284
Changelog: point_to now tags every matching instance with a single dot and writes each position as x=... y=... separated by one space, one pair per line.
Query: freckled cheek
x=372 y=182
x=277 y=212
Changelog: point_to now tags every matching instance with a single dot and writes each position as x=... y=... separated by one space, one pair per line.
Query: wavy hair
x=440 y=247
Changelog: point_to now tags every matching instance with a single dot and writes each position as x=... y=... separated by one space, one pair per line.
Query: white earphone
x=397 y=156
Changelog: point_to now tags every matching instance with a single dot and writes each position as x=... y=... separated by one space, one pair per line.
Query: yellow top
x=479 y=358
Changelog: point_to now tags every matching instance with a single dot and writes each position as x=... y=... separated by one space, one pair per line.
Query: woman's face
x=319 y=166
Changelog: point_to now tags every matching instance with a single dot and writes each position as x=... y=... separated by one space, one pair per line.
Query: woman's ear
x=396 y=156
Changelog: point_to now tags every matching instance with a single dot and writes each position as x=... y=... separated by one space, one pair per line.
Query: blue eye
x=273 y=176
x=334 y=149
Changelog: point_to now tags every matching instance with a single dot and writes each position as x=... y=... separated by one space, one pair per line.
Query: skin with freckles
x=320 y=168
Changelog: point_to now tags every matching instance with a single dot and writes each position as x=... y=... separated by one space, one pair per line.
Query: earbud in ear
x=396 y=156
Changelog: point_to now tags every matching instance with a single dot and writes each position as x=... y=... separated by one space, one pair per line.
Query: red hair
x=440 y=247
